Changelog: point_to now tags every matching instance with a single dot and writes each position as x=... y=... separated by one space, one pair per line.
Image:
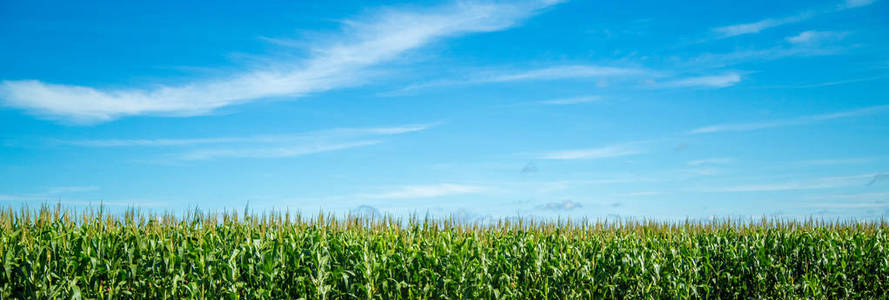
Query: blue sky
x=575 y=109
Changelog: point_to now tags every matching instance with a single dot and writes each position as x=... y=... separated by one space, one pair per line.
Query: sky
x=477 y=110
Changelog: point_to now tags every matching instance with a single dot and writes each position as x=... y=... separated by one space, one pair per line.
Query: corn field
x=89 y=254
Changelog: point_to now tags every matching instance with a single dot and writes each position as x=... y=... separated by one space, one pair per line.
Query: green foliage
x=91 y=255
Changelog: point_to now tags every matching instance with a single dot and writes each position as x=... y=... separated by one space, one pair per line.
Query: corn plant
x=90 y=254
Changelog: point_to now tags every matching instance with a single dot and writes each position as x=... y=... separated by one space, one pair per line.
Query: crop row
x=87 y=254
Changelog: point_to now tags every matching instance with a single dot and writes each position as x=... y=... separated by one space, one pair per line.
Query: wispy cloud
x=700 y=171
x=338 y=62
x=593 y=153
x=852 y=196
x=711 y=161
x=572 y=100
x=809 y=184
x=601 y=75
x=52 y=193
x=261 y=146
x=856 y=3
x=165 y=142
x=561 y=185
x=877 y=178
x=366 y=211
x=558 y=72
x=426 y=191
x=71 y=189
x=814 y=36
x=717 y=60
x=756 y=27
x=566 y=205
x=771 y=187
x=761 y=25
x=257 y=139
x=853 y=200
x=829 y=83
x=852 y=205
x=716 y=81
x=638 y=194
x=272 y=152
x=564 y=72
x=790 y=122
x=8 y=197
x=836 y=161
x=68 y=195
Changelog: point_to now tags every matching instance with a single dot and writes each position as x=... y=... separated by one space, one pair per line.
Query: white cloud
x=63 y=195
x=851 y=205
x=332 y=64
x=715 y=60
x=261 y=146
x=770 y=187
x=758 y=26
x=573 y=100
x=701 y=171
x=566 y=205
x=814 y=37
x=593 y=153
x=158 y=142
x=559 y=72
x=52 y=193
x=710 y=161
x=856 y=3
x=337 y=133
x=854 y=200
x=565 y=72
x=426 y=191
x=853 y=196
x=6 y=197
x=810 y=184
x=554 y=186
x=790 y=122
x=272 y=152
x=603 y=75
x=830 y=83
x=71 y=189
x=836 y=161
x=379 y=130
x=715 y=81
x=638 y=194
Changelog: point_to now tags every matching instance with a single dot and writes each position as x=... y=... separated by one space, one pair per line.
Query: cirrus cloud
x=339 y=62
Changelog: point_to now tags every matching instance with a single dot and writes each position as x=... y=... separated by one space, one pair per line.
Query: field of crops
x=57 y=253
